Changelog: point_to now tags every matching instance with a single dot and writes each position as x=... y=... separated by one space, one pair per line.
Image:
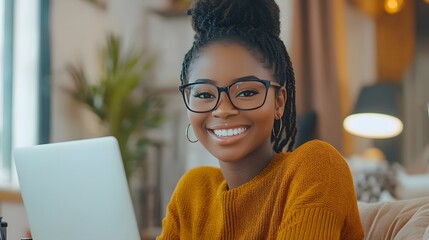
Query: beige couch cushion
x=404 y=219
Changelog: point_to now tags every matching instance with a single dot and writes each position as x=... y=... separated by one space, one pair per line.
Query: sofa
x=400 y=219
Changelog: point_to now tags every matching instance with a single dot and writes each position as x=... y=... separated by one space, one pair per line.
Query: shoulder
x=315 y=147
x=317 y=154
x=318 y=170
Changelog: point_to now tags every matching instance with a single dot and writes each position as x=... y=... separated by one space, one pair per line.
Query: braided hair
x=255 y=24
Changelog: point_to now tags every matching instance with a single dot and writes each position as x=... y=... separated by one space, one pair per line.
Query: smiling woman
x=238 y=87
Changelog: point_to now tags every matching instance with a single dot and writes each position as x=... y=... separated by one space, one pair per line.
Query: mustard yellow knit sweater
x=306 y=194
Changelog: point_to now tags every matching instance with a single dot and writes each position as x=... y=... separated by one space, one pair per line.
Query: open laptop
x=76 y=190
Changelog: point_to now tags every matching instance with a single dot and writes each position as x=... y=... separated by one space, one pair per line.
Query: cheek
x=264 y=120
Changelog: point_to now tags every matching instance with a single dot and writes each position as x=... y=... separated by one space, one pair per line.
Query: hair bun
x=259 y=14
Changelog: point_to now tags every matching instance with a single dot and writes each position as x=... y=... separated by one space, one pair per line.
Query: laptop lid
x=76 y=190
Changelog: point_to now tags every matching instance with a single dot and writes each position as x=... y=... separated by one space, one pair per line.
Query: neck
x=239 y=172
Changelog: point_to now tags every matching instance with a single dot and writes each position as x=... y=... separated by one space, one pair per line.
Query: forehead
x=223 y=62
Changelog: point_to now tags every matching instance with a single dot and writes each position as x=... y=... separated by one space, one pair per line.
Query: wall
x=78 y=29
x=416 y=96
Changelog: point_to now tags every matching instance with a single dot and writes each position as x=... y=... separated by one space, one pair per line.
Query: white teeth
x=229 y=132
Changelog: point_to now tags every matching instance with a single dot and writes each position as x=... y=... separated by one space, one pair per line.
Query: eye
x=204 y=95
x=202 y=91
x=247 y=93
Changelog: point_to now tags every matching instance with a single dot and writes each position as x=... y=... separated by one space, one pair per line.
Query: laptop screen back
x=76 y=190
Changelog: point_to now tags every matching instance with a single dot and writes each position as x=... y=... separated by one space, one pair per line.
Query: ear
x=280 y=103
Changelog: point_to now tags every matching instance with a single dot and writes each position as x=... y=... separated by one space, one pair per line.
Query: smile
x=229 y=132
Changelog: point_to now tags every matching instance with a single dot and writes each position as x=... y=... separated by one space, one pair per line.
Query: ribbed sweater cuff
x=311 y=223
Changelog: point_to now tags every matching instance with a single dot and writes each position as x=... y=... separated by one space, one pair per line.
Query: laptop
x=76 y=190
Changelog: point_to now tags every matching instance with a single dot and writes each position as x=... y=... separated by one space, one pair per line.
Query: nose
x=224 y=108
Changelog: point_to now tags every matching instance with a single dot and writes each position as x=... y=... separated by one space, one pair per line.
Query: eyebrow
x=204 y=80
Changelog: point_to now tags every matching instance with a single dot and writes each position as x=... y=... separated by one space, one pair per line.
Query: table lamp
x=376 y=115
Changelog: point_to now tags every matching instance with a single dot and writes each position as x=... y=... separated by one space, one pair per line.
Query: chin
x=231 y=155
x=227 y=155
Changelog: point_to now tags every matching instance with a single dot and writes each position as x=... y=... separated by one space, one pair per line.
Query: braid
x=255 y=25
x=284 y=71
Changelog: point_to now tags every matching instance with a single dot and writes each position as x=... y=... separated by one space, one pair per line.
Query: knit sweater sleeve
x=322 y=203
x=170 y=224
x=185 y=204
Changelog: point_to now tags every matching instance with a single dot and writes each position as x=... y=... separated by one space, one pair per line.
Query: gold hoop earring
x=276 y=136
x=187 y=134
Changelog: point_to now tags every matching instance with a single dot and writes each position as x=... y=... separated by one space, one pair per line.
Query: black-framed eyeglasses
x=202 y=97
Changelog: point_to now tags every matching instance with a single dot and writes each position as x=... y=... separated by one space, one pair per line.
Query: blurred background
x=74 y=69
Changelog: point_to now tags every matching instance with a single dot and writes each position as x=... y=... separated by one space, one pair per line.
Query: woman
x=239 y=89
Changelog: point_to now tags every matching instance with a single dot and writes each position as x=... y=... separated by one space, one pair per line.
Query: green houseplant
x=121 y=99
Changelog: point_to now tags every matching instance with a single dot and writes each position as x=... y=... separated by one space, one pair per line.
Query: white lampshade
x=373 y=125
x=376 y=113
